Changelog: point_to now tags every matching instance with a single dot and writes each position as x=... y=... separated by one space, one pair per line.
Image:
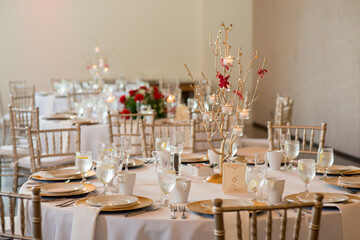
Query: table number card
x=182 y=113
x=234 y=178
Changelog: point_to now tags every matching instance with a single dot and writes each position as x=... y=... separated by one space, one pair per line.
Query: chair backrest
x=283 y=110
x=15 y=83
x=77 y=97
x=23 y=102
x=23 y=90
x=149 y=133
x=314 y=226
x=307 y=135
x=129 y=125
x=200 y=135
x=35 y=218
x=52 y=143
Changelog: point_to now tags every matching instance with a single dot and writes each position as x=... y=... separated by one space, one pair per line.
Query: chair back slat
x=238 y=225
x=303 y=140
x=297 y=224
x=2 y=215
x=253 y=226
x=13 y=83
x=12 y=214
x=283 y=225
x=269 y=225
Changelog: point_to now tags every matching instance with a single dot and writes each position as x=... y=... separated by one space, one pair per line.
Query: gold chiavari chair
x=12 y=84
x=314 y=226
x=23 y=102
x=52 y=148
x=23 y=90
x=4 y=121
x=301 y=133
x=149 y=133
x=20 y=120
x=11 y=233
x=129 y=125
x=283 y=110
x=76 y=97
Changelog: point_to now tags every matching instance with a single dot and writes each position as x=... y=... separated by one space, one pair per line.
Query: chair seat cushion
x=48 y=162
x=7 y=150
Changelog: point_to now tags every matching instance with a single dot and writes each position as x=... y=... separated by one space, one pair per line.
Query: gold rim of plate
x=334 y=181
x=89 y=173
x=136 y=163
x=86 y=189
x=199 y=208
x=86 y=122
x=292 y=198
x=142 y=203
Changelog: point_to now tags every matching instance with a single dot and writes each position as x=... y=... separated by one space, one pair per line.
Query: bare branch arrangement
x=223 y=105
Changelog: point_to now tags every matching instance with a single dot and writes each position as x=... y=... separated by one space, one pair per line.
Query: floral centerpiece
x=147 y=96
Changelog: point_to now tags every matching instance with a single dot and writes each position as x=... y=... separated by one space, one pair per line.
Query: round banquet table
x=57 y=222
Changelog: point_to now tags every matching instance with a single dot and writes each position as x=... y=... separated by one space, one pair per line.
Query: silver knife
x=140 y=212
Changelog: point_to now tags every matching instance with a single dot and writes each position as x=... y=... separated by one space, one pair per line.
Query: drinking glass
x=162 y=144
x=254 y=178
x=126 y=149
x=325 y=159
x=83 y=162
x=166 y=181
x=105 y=171
x=291 y=152
x=282 y=139
x=306 y=171
x=261 y=163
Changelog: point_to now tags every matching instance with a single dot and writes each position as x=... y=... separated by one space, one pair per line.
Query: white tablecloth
x=157 y=225
x=51 y=103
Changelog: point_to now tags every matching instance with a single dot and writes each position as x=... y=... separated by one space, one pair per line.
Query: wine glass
x=306 y=171
x=254 y=178
x=261 y=163
x=166 y=181
x=105 y=171
x=325 y=159
x=292 y=148
x=161 y=144
x=176 y=148
x=83 y=162
x=282 y=138
x=126 y=149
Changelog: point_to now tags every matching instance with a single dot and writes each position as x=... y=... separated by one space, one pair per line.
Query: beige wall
x=313 y=56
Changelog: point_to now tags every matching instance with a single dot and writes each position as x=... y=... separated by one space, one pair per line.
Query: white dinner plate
x=228 y=203
x=112 y=200
x=59 y=173
x=61 y=187
x=328 y=197
x=333 y=169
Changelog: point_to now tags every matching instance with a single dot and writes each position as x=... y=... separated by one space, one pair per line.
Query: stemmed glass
x=306 y=171
x=126 y=149
x=166 y=181
x=177 y=145
x=83 y=162
x=254 y=178
x=282 y=139
x=161 y=144
x=292 y=148
x=325 y=159
x=261 y=163
x=105 y=170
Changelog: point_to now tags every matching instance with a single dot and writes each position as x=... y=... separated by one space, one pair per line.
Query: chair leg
x=3 y=128
x=16 y=178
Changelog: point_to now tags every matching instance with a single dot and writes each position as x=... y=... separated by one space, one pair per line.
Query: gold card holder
x=234 y=178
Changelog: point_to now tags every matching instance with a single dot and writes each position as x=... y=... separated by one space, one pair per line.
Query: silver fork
x=182 y=210
x=173 y=209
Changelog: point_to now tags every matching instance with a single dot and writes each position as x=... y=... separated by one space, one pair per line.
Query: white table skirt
x=157 y=225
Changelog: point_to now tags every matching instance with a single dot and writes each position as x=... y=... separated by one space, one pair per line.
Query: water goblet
x=83 y=162
x=126 y=149
x=161 y=144
x=166 y=181
x=105 y=171
x=261 y=163
x=306 y=171
x=254 y=178
x=325 y=159
x=292 y=148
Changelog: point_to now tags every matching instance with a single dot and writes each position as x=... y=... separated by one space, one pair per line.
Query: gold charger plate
x=142 y=203
x=86 y=189
x=136 y=163
x=194 y=158
x=334 y=181
x=334 y=169
x=85 y=122
x=328 y=198
x=198 y=206
x=38 y=176
x=58 y=117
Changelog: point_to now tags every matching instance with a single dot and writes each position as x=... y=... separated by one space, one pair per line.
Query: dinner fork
x=173 y=209
x=182 y=210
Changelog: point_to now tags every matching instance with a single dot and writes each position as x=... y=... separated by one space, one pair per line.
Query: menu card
x=234 y=178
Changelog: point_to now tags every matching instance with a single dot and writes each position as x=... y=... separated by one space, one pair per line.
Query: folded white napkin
x=84 y=222
x=230 y=225
x=350 y=213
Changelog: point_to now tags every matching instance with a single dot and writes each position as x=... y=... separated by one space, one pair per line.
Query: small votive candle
x=227 y=108
x=110 y=98
x=170 y=98
x=244 y=114
x=238 y=130
x=228 y=60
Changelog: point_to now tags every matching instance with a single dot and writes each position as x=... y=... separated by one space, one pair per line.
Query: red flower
x=139 y=97
x=122 y=99
x=223 y=83
x=143 y=87
x=239 y=94
x=125 y=111
x=158 y=95
x=132 y=92
x=156 y=89
x=262 y=72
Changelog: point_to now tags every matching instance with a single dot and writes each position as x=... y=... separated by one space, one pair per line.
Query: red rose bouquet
x=148 y=96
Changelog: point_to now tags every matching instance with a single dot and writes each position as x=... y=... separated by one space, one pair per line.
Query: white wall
x=313 y=56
